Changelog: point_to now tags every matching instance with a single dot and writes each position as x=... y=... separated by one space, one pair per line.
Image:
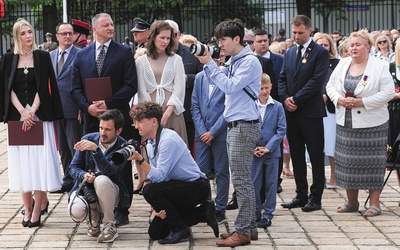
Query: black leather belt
x=235 y=123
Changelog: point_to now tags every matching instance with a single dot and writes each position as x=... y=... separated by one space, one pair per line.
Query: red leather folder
x=98 y=88
x=18 y=137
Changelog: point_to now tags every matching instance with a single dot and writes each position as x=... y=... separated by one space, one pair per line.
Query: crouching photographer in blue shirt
x=178 y=190
x=99 y=178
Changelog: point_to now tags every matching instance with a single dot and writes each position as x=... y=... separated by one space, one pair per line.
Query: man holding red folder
x=106 y=58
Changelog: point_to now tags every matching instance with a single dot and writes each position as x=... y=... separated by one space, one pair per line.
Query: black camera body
x=124 y=151
x=87 y=190
x=200 y=50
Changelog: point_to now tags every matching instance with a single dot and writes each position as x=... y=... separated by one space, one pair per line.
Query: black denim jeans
x=179 y=199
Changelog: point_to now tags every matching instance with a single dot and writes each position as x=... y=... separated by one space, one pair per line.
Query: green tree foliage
x=49 y=12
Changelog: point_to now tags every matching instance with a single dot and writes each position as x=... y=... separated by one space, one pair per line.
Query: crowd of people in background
x=240 y=114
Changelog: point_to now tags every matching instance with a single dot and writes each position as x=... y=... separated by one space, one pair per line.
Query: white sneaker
x=108 y=234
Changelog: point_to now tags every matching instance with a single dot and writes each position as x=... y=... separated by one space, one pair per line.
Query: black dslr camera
x=124 y=151
x=87 y=190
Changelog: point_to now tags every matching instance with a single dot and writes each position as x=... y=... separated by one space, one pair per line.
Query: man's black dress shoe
x=264 y=223
x=311 y=206
x=232 y=204
x=210 y=218
x=176 y=237
x=294 y=203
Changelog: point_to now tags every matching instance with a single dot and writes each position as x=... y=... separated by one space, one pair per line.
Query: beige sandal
x=348 y=208
x=372 y=211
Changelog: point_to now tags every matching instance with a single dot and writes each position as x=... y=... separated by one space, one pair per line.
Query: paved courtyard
x=291 y=229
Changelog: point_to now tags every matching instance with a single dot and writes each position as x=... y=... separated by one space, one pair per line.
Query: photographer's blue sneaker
x=108 y=234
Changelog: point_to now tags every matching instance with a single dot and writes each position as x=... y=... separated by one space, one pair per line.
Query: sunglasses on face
x=249 y=42
x=380 y=42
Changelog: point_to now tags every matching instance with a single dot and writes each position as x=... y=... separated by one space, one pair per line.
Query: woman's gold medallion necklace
x=26 y=71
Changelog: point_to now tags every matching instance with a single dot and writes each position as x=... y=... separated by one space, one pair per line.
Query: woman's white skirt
x=35 y=167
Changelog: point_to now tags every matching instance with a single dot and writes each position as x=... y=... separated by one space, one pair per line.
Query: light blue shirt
x=173 y=160
x=245 y=72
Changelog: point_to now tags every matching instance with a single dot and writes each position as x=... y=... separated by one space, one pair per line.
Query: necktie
x=298 y=58
x=60 y=62
x=100 y=59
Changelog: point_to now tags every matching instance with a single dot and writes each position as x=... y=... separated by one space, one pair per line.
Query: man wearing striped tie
x=106 y=58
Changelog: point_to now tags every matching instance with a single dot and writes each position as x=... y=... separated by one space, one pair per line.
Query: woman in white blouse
x=161 y=78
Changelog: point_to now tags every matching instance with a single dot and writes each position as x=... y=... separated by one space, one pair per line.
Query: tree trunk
x=50 y=19
x=304 y=7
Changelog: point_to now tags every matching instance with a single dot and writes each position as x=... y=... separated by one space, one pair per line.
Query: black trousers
x=308 y=132
x=179 y=199
x=69 y=131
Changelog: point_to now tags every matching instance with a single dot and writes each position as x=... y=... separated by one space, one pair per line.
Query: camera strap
x=244 y=89
x=89 y=209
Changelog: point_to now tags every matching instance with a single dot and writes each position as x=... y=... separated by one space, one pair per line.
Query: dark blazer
x=64 y=80
x=120 y=66
x=277 y=60
x=305 y=81
x=268 y=68
x=192 y=66
x=85 y=160
x=50 y=103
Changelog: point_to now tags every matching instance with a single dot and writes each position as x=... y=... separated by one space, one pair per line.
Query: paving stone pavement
x=291 y=229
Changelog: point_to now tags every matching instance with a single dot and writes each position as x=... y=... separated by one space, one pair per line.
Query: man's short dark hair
x=115 y=115
x=282 y=32
x=337 y=32
x=147 y=110
x=260 y=32
x=230 y=28
x=301 y=19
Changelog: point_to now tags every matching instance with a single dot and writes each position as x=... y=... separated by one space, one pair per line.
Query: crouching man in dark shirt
x=93 y=162
x=178 y=191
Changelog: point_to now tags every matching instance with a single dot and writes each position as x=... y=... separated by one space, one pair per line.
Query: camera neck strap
x=158 y=134
x=86 y=204
x=252 y=96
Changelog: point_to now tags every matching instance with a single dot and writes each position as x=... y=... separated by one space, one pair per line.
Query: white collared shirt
x=107 y=45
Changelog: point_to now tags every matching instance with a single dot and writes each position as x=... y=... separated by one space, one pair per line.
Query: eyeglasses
x=380 y=42
x=66 y=33
x=249 y=42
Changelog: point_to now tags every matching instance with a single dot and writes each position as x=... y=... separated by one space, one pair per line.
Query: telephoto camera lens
x=200 y=50
x=125 y=151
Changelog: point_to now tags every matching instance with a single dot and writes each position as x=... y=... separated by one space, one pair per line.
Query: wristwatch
x=140 y=162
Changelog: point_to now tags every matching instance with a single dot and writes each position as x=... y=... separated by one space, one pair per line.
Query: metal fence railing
x=198 y=17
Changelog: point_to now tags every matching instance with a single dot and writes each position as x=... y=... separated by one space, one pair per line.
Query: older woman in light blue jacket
x=360 y=87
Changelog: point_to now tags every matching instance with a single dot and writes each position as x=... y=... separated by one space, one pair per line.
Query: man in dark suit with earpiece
x=300 y=84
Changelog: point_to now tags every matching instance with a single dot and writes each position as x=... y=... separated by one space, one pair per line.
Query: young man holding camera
x=240 y=82
x=93 y=163
x=178 y=191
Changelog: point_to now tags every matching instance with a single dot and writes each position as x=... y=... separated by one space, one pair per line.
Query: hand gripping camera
x=124 y=151
x=87 y=190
